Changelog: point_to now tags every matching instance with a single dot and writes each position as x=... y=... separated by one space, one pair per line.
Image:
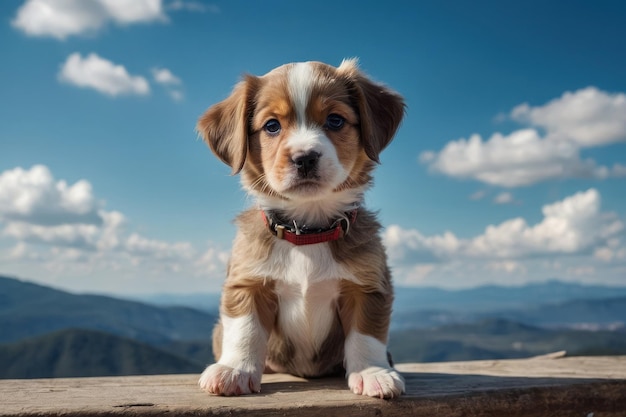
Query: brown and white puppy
x=308 y=290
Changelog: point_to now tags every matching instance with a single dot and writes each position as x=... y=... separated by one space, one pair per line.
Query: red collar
x=304 y=236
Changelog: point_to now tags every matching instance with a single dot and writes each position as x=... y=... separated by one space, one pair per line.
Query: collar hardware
x=304 y=235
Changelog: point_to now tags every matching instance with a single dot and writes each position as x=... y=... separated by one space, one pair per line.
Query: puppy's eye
x=272 y=127
x=334 y=122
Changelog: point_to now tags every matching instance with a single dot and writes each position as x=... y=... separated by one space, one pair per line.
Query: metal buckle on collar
x=280 y=228
x=280 y=231
x=344 y=222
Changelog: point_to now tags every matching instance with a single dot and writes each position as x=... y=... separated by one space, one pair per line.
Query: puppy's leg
x=247 y=314
x=367 y=368
x=365 y=315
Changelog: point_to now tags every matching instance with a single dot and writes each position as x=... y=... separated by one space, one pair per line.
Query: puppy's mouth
x=305 y=186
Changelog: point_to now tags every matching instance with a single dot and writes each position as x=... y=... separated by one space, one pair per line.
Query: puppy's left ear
x=380 y=109
x=225 y=126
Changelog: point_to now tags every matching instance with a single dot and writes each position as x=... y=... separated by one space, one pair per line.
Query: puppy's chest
x=306 y=315
x=307 y=285
x=303 y=265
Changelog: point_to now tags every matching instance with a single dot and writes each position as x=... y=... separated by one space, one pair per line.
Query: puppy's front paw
x=224 y=380
x=377 y=382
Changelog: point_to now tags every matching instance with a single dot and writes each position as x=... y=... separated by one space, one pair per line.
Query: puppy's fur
x=305 y=138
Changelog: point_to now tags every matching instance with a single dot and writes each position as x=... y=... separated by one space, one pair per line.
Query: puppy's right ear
x=225 y=126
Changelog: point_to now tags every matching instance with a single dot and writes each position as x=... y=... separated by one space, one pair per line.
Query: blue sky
x=510 y=166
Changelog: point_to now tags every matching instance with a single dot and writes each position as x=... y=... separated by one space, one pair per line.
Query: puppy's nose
x=306 y=163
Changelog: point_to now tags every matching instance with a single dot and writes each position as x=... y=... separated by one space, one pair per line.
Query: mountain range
x=28 y=309
x=45 y=332
x=499 y=339
x=495 y=297
x=84 y=353
x=584 y=314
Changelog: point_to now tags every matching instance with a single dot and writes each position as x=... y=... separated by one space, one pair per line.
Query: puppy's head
x=303 y=131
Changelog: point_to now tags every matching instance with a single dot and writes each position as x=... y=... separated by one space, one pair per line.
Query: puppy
x=308 y=290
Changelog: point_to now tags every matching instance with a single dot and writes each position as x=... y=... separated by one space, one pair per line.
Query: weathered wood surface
x=577 y=386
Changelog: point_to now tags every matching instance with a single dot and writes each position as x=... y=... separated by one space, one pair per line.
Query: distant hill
x=200 y=351
x=593 y=314
x=209 y=302
x=589 y=314
x=28 y=310
x=82 y=353
x=498 y=339
x=495 y=297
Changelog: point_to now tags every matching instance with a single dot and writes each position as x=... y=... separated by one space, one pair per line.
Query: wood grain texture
x=576 y=386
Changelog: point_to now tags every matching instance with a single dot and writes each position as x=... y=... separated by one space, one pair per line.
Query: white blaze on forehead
x=300 y=83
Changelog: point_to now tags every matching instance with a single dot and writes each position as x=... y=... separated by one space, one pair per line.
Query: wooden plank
x=579 y=386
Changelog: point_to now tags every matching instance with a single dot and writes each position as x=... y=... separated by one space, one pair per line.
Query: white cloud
x=138 y=245
x=72 y=235
x=614 y=250
x=113 y=79
x=478 y=195
x=193 y=6
x=578 y=120
x=418 y=273
x=133 y=11
x=618 y=170
x=582 y=270
x=571 y=226
x=176 y=95
x=35 y=197
x=410 y=245
x=507 y=266
x=59 y=229
x=604 y=254
x=101 y=75
x=213 y=260
x=62 y=18
x=574 y=235
x=165 y=77
x=21 y=252
x=169 y=81
x=428 y=157
x=504 y=198
x=587 y=117
x=521 y=158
